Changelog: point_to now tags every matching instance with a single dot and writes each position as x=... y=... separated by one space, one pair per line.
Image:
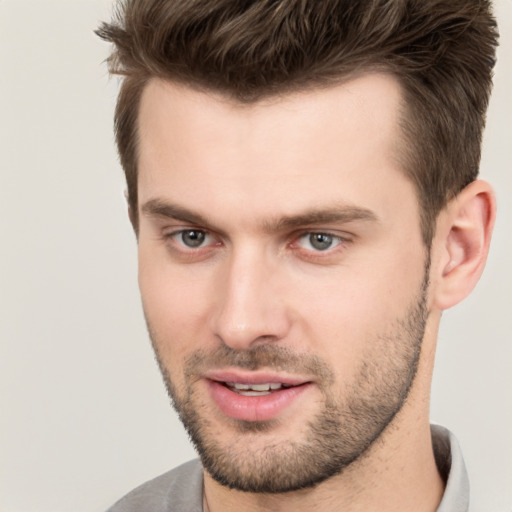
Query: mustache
x=269 y=356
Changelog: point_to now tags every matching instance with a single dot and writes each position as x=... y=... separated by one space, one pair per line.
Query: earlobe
x=464 y=238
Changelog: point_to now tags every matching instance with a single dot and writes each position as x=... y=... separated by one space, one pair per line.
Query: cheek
x=347 y=316
x=175 y=306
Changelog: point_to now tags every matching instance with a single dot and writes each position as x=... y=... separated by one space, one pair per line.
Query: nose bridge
x=249 y=310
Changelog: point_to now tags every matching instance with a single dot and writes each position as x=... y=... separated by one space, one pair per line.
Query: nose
x=251 y=307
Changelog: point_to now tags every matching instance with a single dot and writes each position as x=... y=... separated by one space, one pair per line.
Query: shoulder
x=177 y=490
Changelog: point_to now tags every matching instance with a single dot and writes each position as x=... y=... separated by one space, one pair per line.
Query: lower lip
x=254 y=408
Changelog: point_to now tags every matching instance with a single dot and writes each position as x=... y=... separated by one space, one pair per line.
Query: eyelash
x=339 y=241
x=173 y=238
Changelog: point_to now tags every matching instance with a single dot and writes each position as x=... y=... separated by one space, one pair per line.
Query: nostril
x=243 y=340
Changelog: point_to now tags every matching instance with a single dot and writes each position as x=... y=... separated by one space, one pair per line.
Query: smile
x=255 y=389
x=255 y=397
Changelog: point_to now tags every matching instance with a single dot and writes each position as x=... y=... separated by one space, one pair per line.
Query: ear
x=462 y=243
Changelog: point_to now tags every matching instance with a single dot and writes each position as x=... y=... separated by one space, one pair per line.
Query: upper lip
x=254 y=377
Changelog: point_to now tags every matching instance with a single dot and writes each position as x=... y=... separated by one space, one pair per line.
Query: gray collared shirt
x=181 y=489
x=451 y=466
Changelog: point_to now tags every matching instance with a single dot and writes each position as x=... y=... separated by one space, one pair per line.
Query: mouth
x=255 y=389
x=256 y=396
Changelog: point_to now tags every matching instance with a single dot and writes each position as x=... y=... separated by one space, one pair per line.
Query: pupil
x=320 y=241
x=193 y=238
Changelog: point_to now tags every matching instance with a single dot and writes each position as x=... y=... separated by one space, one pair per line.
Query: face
x=282 y=273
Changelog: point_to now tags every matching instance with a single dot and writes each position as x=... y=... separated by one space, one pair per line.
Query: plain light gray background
x=83 y=416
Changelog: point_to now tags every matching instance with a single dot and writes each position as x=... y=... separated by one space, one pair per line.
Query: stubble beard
x=340 y=434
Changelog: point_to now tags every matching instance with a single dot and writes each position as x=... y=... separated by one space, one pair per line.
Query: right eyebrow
x=160 y=208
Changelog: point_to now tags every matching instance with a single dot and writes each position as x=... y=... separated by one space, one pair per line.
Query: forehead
x=371 y=103
x=331 y=145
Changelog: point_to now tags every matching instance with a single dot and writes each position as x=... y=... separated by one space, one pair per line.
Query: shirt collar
x=451 y=465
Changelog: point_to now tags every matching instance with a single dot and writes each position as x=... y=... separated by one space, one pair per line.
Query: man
x=302 y=181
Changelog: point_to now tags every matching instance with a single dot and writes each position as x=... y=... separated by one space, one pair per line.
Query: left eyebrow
x=340 y=214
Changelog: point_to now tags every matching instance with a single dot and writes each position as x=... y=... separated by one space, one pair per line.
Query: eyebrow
x=340 y=213
x=161 y=208
x=336 y=214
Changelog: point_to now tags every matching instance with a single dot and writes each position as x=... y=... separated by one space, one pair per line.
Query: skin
x=257 y=283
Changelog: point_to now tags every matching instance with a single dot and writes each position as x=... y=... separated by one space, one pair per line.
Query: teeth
x=260 y=387
x=257 y=388
x=239 y=386
x=253 y=393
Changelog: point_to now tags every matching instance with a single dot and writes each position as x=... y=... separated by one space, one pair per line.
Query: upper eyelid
x=171 y=231
x=327 y=231
x=179 y=229
x=176 y=230
x=298 y=233
x=167 y=225
x=330 y=232
x=340 y=238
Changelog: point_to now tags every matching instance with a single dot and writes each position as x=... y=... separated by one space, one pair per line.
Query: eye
x=319 y=241
x=192 y=238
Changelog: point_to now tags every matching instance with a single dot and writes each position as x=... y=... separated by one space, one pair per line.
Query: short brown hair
x=441 y=51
